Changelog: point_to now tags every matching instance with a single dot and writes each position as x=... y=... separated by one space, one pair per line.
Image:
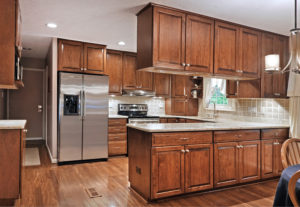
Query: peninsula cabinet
x=236 y=157
x=189 y=49
x=272 y=140
x=74 y=56
x=10 y=41
x=117 y=137
x=274 y=84
x=237 y=50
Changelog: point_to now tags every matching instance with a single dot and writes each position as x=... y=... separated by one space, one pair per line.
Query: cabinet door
x=199 y=44
x=179 y=86
x=198 y=167
x=167 y=176
x=249 y=161
x=70 y=56
x=168 y=38
x=94 y=58
x=226 y=164
x=129 y=70
x=250 y=53
x=162 y=84
x=192 y=107
x=277 y=159
x=144 y=80
x=267 y=158
x=179 y=106
x=18 y=28
x=226 y=49
x=114 y=71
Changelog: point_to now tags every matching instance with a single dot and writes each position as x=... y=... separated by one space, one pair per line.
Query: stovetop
x=143 y=117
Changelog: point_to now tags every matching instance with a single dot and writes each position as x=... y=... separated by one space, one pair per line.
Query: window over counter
x=215 y=93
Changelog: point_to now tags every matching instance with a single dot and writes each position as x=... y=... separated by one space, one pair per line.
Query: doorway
x=29 y=103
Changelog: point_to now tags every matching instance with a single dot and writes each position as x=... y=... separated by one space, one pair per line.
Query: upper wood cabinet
x=171 y=39
x=114 y=66
x=274 y=84
x=144 y=80
x=199 y=44
x=162 y=84
x=226 y=49
x=237 y=50
x=129 y=70
x=74 y=56
x=10 y=41
x=181 y=86
x=181 y=106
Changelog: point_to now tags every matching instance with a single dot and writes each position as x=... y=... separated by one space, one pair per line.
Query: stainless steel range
x=137 y=113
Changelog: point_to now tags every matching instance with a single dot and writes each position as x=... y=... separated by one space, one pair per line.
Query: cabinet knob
x=183 y=64
x=25 y=130
x=239 y=71
x=241 y=146
x=188 y=65
x=81 y=69
x=187 y=150
x=183 y=150
x=276 y=94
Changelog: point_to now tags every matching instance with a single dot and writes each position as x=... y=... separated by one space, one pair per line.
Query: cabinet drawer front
x=117 y=148
x=117 y=137
x=117 y=122
x=236 y=135
x=116 y=129
x=275 y=133
x=164 y=139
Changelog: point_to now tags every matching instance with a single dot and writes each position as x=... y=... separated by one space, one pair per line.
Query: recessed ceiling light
x=121 y=43
x=51 y=25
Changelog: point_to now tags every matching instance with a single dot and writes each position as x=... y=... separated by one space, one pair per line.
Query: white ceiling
x=110 y=21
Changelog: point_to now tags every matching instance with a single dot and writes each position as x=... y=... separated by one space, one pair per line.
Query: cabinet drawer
x=275 y=133
x=164 y=139
x=236 y=135
x=117 y=148
x=116 y=129
x=117 y=137
x=117 y=122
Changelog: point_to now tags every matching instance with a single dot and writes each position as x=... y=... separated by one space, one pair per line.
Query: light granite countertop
x=117 y=117
x=12 y=124
x=182 y=127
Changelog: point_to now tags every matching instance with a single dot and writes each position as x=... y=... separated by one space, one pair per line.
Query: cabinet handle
x=241 y=146
x=276 y=94
x=238 y=135
x=81 y=69
x=188 y=65
x=238 y=146
x=184 y=138
x=276 y=143
x=183 y=151
x=25 y=130
x=116 y=147
x=183 y=64
x=84 y=69
x=239 y=71
x=187 y=150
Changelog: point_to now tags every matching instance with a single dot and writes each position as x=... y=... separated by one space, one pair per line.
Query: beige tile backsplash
x=263 y=109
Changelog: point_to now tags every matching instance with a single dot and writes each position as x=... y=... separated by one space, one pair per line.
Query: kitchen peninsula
x=179 y=158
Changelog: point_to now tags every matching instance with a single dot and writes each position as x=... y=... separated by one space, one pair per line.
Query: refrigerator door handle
x=83 y=105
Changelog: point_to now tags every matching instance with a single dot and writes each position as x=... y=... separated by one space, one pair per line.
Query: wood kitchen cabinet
x=117 y=137
x=274 y=84
x=237 y=157
x=181 y=86
x=243 y=89
x=114 y=66
x=74 y=56
x=162 y=84
x=10 y=41
x=272 y=140
x=11 y=156
x=181 y=106
x=189 y=49
x=129 y=70
x=144 y=81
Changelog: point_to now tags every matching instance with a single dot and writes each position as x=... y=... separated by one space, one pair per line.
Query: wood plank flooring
x=52 y=185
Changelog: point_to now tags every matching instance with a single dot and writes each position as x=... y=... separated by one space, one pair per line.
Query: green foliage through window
x=218 y=97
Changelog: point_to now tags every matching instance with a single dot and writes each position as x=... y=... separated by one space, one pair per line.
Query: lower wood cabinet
x=117 y=137
x=237 y=162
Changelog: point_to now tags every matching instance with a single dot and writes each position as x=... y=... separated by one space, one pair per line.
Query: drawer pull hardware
x=187 y=150
x=183 y=64
x=183 y=150
x=25 y=130
x=184 y=138
x=117 y=147
x=276 y=143
x=241 y=146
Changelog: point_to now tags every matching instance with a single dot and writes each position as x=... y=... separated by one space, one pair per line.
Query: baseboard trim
x=53 y=160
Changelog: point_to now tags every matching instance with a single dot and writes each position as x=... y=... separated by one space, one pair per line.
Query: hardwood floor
x=52 y=185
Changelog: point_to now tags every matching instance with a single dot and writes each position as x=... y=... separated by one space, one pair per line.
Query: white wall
x=51 y=140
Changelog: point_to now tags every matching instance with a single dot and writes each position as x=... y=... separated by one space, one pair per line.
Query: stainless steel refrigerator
x=82 y=117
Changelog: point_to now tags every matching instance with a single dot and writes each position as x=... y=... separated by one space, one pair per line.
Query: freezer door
x=70 y=117
x=95 y=117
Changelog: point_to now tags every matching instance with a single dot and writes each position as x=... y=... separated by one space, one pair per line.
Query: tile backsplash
x=156 y=105
x=260 y=109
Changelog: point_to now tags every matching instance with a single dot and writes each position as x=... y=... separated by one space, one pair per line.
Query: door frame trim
x=45 y=85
